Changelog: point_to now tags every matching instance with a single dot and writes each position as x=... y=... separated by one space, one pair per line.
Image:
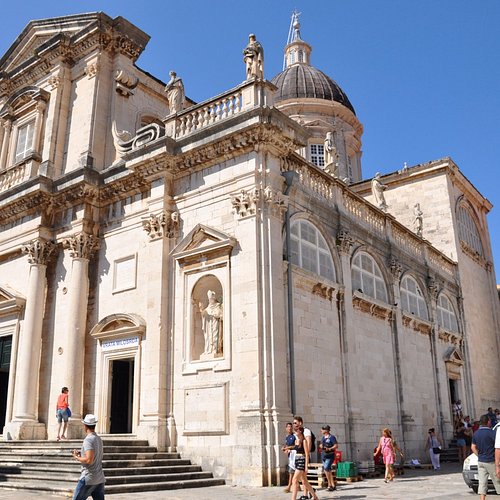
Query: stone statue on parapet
x=175 y=93
x=253 y=57
x=418 y=220
x=331 y=156
x=378 y=192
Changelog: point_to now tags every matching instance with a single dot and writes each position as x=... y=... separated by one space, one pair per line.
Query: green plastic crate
x=347 y=469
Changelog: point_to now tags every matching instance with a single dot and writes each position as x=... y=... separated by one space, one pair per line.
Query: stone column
x=345 y=242
x=433 y=290
x=7 y=125
x=25 y=423
x=397 y=329
x=37 y=133
x=81 y=247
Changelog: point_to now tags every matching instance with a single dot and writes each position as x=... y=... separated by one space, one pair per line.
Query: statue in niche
x=378 y=192
x=418 y=220
x=331 y=155
x=253 y=57
x=211 y=325
x=175 y=93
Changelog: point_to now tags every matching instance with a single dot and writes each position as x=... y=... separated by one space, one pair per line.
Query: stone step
x=129 y=466
x=169 y=485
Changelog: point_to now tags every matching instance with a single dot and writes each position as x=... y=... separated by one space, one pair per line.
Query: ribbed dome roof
x=305 y=81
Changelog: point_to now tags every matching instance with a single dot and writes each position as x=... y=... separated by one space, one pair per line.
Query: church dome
x=301 y=80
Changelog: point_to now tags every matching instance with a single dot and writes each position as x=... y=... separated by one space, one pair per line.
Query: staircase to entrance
x=130 y=465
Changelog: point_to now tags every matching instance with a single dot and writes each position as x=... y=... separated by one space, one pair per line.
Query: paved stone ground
x=413 y=485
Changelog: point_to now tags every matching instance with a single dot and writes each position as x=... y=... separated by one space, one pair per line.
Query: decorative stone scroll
x=81 y=245
x=124 y=141
x=166 y=223
x=39 y=251
x=276 y=200
x=125 y=83
x=345 y=241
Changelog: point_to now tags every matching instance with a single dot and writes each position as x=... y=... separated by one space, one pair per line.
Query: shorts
x=460 y=442
x=327 y=463
x=300 y=462
x=290 y=470
x=62 y=415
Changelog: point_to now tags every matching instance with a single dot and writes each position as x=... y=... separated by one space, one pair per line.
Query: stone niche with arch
x=203 y=299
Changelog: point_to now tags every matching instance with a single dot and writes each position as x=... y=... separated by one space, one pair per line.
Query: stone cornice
x=369 y=305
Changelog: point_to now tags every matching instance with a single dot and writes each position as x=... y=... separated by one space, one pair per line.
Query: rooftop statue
x=253 y=57
x=378 y=192
x=331 y=155
x=175 y=93
x=418 y=220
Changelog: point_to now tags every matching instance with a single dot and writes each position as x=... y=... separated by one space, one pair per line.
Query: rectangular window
x=24 y=145
x=317 y=152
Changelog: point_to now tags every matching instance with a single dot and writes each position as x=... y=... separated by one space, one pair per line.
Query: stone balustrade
x=242 y=98
x=17 y=174
x=332 y=190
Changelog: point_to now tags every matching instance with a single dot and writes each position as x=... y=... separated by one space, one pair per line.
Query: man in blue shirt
x=328 y=447
x=483 y=445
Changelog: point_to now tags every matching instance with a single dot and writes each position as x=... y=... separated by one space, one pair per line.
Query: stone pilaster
x=81 y=247
x=24 y=424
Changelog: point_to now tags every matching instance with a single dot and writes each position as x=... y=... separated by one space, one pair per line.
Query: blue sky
x=423 y=76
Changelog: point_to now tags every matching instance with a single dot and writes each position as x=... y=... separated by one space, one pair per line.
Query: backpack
x=313 y=442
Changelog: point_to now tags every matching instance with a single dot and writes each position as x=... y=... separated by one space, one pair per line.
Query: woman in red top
x=62 y=413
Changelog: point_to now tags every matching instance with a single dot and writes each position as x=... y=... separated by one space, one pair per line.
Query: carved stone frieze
x=166 y=223
x=345 y=241
x=81 y=245
x=276 y=201
x=325 y=291
x=396 y=269
x=39 y=251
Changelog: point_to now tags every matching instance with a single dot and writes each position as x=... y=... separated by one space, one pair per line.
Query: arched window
x=447 y=318
x=308 y=249
x=412 y=299
x=367 y=278
x=467 y=229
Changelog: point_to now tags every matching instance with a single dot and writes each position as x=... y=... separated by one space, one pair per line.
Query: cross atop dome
x=296 y=51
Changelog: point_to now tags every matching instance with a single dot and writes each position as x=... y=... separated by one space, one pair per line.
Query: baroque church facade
x=197 y=273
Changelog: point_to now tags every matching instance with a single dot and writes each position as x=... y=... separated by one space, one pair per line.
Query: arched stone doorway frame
x=119 y=337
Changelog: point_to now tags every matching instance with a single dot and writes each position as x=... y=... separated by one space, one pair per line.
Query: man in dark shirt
x=328 y=448
x=483 y=445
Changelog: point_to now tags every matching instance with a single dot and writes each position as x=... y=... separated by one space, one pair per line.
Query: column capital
x=344 y=241
x=81 y=245
x=396 y=269
x=433 y=288
x=166 y=223
x=39 y=251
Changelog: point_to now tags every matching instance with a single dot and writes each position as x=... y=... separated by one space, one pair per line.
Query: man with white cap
x=92 y=479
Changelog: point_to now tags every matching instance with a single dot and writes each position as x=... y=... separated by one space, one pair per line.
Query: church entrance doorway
x=122 y=396
x=5 y=355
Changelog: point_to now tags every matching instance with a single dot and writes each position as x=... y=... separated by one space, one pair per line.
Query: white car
x=470 y=475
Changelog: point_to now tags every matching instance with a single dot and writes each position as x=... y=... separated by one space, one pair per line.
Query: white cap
x=90 y=419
